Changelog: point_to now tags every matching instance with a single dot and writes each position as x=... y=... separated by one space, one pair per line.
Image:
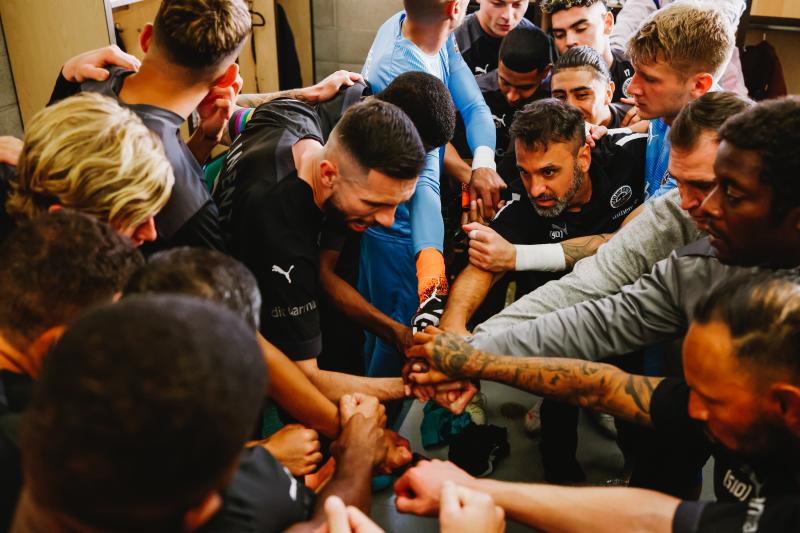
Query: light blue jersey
x=391 y=55
x=657 y=178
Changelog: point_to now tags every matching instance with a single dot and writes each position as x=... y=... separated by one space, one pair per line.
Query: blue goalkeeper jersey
x=391 y=55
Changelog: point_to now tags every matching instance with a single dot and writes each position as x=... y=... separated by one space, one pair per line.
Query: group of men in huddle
x=648 y=217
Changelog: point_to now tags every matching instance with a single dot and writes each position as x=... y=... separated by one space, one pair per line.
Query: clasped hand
x=427 y=378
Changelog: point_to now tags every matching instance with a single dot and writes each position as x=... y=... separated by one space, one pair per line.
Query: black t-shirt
x=15 y=394
x=621 y=74
x=262 y=498
x=618 y=112
x=757 y=515
x=273 y=223
x=190 y=217
x=617 y=174
x=736 y=478
x=331 y=111
x=502 y=115
x=479 y=49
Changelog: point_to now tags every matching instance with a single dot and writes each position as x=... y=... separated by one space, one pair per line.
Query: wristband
x=541 y=257
x=483 y=158
x=238 y=121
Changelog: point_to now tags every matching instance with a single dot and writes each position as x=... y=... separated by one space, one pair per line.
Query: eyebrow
x=582 y=88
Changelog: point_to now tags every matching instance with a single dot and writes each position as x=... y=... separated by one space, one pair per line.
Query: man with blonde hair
x=89 y=154
x=678 y=53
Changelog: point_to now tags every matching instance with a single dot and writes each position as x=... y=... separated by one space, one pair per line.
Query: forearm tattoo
x=578 y=248
x=588 y=384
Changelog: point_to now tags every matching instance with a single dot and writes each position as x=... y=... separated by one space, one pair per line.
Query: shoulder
x=621 y=147
x=701 y=248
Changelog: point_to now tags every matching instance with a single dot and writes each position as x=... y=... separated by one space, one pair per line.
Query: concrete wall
x=344 y=30
x=10 y=122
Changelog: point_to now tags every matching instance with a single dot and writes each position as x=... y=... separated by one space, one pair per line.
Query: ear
x=608 y=23
x=786 y=398
x=195 y=518
x=585 y=158
x=610 y=92
x=228 y=77
x=328 y=173
x=453 y=9
x=55 y=207
x=146 y=37
x=701 y=84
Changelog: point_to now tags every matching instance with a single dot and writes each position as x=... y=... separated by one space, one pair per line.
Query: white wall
x=344 y=30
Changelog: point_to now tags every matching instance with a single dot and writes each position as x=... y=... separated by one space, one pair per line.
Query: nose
x=513 y=96
x=537 y=187
x=572 y=39
x=508 y=16
x=697 y=409
x=634 y=87
x=689 y=201
x=710 y=207
x=385 y=217
x=146 y=231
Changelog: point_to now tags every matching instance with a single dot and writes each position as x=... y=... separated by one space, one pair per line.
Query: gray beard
x=561 y=203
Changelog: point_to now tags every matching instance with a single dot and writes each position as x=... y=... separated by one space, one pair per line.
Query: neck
x=429 y=38
x=308 y=154
x=608 y=57
x=150 y=86
x=583 y=195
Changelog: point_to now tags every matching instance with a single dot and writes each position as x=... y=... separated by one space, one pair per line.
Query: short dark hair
x=427 y=102
x=772 y=128
x=201 y=34
x=526 y=50
x=203 y=273
x=381 y=137
x=707 y=113
x=141 y=411
x=763 y=315
x=583 y=58
x=554 y=6
x=549 y=120
x=56 y=265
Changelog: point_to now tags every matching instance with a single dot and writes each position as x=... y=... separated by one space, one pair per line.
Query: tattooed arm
x=596 y=385
x=580 y=247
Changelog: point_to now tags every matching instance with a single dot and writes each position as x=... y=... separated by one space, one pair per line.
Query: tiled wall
x=10 y=123
x=344 y=29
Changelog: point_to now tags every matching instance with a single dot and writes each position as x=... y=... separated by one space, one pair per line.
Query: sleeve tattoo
x=588 y=384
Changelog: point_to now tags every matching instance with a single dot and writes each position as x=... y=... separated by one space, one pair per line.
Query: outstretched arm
x=596 y=385
x=469 y=290
x=544 y=507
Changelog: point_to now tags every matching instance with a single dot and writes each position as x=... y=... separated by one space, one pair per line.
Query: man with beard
x=273 y=209
x=572 y=191
x=739 y=401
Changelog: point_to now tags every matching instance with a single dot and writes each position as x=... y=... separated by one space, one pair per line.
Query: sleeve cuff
x=483 y=158
x=300 y=350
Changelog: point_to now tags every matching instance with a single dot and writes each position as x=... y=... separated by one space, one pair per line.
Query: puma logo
x=481 y=70
x=284 y=273
x=499 y=121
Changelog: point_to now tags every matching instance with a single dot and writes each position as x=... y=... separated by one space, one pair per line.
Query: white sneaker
x=477 y=409
x=532 y=423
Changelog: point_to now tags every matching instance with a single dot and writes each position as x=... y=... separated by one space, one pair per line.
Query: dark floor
x=598 y=455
